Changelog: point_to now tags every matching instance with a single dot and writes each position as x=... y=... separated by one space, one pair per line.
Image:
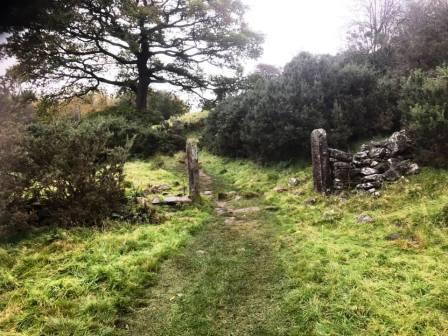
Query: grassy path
x=307 y=266
x=227 y=281
x=273 y=259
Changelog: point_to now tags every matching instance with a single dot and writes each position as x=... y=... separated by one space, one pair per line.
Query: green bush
x=161 y=107
x=424 y=105
x=147 y=140
x=273 y=119
x=64 y=172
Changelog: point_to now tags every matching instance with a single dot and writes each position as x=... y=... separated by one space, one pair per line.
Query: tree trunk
x=141 y=98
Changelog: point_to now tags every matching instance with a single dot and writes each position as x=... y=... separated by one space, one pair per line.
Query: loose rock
x=393 y=236
x=369 y=171
x=365 y=219
x=294 y=182
x=311 y=201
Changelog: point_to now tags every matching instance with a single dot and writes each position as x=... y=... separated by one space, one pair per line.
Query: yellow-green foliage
x=345 y=277
x=80 y=281
x=193 y=117
x=192 y=122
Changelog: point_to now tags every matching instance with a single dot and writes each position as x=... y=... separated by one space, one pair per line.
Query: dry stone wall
x=376 y=163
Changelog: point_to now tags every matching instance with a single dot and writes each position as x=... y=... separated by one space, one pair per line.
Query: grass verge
x=80 y=281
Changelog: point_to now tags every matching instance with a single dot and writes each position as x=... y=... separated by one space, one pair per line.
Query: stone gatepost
x=321 y=162
x=193 y=170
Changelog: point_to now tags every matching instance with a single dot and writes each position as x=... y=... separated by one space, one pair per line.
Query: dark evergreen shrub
x=65 y=172
x=424 y=104
x=273 y=119
x=147 y=140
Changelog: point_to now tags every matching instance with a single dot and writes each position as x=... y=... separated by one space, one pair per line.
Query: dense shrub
x=147 y=140
x=12 y=151
x=273 y=119
x=424 y=104
x=161 y=107
x=64 y=172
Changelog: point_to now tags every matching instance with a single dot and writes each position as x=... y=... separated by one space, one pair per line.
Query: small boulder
x=171 y=200
x=342 y=165
x=399 y=143
x=369 y=185
x=311 y=201
x=377 y=152
x=393 y=236
x=413 y=169
x=382 y=167
x=294 y=182
x=361 y=156
x=365 y=219
x=368 y=171
x=339 y=155
x=373 y=178
x=391 y=175
x=157 y=189
x=366 y=162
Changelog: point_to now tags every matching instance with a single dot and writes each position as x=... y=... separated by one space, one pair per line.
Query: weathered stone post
x=321 y=163
x=193 y=170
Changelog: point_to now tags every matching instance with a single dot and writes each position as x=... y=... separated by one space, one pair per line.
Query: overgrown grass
x=302 y=266
x=348 y=278
x=80 y=281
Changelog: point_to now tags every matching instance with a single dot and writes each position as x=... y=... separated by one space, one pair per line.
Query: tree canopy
x=132 y=44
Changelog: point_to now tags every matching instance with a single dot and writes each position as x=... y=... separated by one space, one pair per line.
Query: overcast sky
x=291 y=26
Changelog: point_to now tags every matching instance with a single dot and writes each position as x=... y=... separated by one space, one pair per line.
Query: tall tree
x=132 y=44
x=422 y=41
x=372 y=35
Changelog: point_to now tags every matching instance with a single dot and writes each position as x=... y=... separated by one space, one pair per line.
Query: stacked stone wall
x=376 y=163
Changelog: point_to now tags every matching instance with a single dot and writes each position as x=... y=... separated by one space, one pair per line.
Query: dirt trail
x=227 y=281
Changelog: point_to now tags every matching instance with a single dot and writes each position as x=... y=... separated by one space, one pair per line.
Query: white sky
x=292 y=26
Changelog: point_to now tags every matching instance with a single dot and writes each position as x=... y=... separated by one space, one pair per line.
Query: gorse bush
x=12 y=186
x=147 y=140
x=64 y=172
x=273 y=118
x=424 y=104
